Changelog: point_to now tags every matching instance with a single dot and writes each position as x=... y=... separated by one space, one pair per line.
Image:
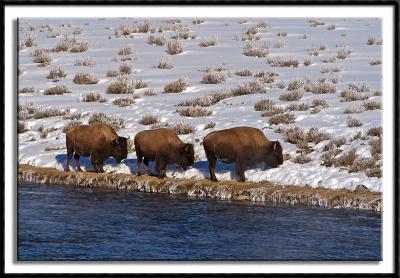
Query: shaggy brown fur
x=98 y=141
x=244 y=146
x=162 y=146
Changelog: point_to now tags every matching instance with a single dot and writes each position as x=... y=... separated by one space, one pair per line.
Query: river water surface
x=71 y=223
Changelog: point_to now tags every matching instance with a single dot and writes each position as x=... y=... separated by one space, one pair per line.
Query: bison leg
x=97 y=165
x=77 y=164
x=159 y=166
x=70 y=152
x=212 y=161
x=240 y=171
x=147 y=166
x=139 y=158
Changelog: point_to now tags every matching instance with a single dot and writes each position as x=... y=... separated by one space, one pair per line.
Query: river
x=70 y=223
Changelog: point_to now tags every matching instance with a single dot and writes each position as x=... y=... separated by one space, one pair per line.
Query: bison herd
x=244 y=146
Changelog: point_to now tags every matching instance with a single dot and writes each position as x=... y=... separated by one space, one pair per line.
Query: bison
x=164 y=147
x=99 y=141
x=244 y=146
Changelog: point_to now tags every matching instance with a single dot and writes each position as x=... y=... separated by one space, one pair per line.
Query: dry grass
x=335 y=143
x=353 y=122
x=154 y=40
x=42 y=57
x=182 y=32
x=313 y=51
x=291 y=96
x=352 y=95
x=71 y=124
x=165 y=64
x=150 y=92
x=123 y=85
x=372 y=105
x=30 y=39
x=182 y=127
x=125 y=51
x=27 y=90
x=116 y=122
x=209 y=125
x=148 y=119
x=126 y=30
x=211 y=76
x=85 y=78
x=376 y=146
x=79 y=47
x=125 y=68
x=86 y=62
x=281 y=34
x=375 y=131
x=197 y=21
x=21 y=127
x=371 y=41
x=331 y=27
x=279 y=44
x=139 y=84
x=206 y=101
x=93 y=97
x=301 y=159
x=264 y=104
x=298 y=107
x=174 y=47
x=252 y=87
x=343 y=53
x=315 y=22
x=208 y=42
x=252 y=51
x=73 y=116
x=375 y=62
x=244 y=72
x=123 y=102
x=320 y=87
x=266 y=77
x=279 y=61
x=56 y=73
x=112 y=73
x=177 y=86
x=329 y=60
x=307 y=62
x=284 y=118
x=193 y=112
x=321 y=103
x=57 y=90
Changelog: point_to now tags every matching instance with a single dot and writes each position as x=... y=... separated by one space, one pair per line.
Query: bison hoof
x=138 y=174
x=214 y=179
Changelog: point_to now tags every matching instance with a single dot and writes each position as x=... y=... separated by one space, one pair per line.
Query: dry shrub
x=298 y=107
x=266 y=77
x=291 y=96
x=57 y=90
x=77 y=30
x=346 y=159
x=123 y=85
x=42 y=57
x=209 y=125
x=71 y=124
x=243 y=72
x=372 y=105
x=124 y=51
x=79 y=47
x=208 y=42
x=197 y=21
x=148 y=119
x=313 y=51
x=335 y=143
x=371 y=41
x=329 y=60
x=375 y=62
x=154 y=40
x=123 y=102
x=150 y=92
x=165 y=64
x=317 y=136
x=30 y=39
x=264 y=104
x=353 y=122
x=352 y=95
x=174 y=47
x=376 y=146
x=279 y=44
x=93 y=97
x=27 y=90
x=279 y=61
x=321 y=103
x=252 y=87
x=85 y=78
x=125 y=68
x=181 y=32
x=274 y=110
x=182 y=127
x=116 y=122
x=126 y=30
x=331 y=27
x=112 y=73
x=139 y=84
x=301 y=159
x=295 y=84
x=43 y=112
x=21 y=127
x=56 y=73
x=206 y=101
x=249 y=37
x=284 y=118
x=72 y=116
x=307 y=62
x=343 y=53
x=301 y=138
x=281 y=34
x=86 y=62
x=375 y=131
x=252 y=51
x=65 y=44
x=315 y=22
x=193 y=112
x=177 y=86
x=320 y=87
x=211 y=76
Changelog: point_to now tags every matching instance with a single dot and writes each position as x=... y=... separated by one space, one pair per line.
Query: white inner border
x=385 y=266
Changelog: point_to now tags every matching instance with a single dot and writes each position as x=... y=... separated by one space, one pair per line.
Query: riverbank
x=257 y=192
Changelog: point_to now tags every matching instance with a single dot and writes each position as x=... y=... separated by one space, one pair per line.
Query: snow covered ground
x=42 y=142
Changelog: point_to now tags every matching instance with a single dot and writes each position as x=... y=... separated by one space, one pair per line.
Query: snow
x=231 y=112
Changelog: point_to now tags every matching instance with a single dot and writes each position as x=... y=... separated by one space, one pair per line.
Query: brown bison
x=99 y=141
x=163 y=147
x=244 y=146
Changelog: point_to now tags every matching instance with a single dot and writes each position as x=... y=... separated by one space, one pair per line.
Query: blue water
x=70 y=223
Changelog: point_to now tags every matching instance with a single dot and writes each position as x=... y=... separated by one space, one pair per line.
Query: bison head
x=120 y=150
x=186 y=153
x=273 y=155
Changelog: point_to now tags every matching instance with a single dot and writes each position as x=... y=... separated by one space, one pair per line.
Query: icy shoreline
x=256 y=192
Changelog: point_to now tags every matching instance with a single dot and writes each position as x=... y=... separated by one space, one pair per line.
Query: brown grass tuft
x=148 y=119
x=85 y=78
x=57 y=90
x=177 y=86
